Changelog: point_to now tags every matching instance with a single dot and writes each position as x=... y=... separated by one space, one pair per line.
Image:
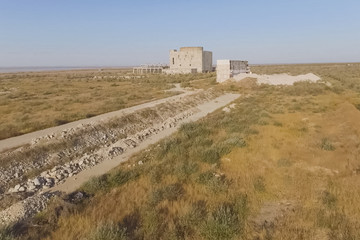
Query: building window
x=173 y=61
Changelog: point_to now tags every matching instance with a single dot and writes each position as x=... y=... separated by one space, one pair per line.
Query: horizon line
x=89 y=67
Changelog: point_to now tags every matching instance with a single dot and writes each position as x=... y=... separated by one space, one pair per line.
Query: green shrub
x=108 y=231
x=167 y=146
x=170 y=192
x=153 y=226
x=194 y=129
x=131 y=223
x=120 y=177
x=184 y=169
x=96 y=184
x=227 y=220
x=227 y=145
x=156 y=174
x=173 y=192
x=198 y=212
x=215 y=184
x=210 y=156
x=205 y=177
x=186 y=226
x=326 y=145
x=328 y=199
x=203 y=142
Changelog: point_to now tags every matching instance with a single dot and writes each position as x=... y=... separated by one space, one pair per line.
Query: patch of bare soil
x=270 y=214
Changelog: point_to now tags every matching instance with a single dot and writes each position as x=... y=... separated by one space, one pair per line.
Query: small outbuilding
x=226 y=69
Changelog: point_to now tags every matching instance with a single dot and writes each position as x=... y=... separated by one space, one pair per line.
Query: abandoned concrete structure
x=149 y=68
x=226 y=69
x=189 y=60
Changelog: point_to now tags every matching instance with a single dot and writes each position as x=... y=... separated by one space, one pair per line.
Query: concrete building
x=189 y=60
x=226 y=69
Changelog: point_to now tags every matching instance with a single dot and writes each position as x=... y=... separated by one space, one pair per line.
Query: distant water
x=42 y=69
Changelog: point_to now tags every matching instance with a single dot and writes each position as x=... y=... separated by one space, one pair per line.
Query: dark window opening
x=173 y=61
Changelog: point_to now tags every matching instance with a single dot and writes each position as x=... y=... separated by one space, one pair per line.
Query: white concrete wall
x=222 y=70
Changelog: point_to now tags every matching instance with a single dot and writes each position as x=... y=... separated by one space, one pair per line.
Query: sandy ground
x=73 y=183
x=177 y=88
x=278 y=79
x=26 y=138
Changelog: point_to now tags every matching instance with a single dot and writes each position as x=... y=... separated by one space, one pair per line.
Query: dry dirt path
x=32 y=205
x=73 y=183
x=26 y=138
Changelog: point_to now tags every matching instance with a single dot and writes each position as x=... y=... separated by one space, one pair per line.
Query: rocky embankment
x=51 y=159
x=24 y=209
x=59 y=173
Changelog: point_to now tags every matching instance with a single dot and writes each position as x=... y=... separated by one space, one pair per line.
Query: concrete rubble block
x=38 y=181
x=59 y=176
x=116 y=151
x=43 y=174
x=31 y=187
x=130 y=143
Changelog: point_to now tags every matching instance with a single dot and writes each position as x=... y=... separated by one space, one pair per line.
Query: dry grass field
x=282 y=164
x=34 y=101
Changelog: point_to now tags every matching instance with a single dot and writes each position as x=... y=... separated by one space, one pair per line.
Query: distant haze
x=127 y=33
x=51 y=68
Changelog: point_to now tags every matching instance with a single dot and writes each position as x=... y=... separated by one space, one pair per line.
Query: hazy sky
x=131 y=32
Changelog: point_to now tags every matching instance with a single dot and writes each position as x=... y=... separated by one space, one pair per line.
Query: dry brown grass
x=33 y=101
x=298 y=144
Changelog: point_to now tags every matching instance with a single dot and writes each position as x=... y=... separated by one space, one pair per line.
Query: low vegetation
x=33 y=101
x=294 y=146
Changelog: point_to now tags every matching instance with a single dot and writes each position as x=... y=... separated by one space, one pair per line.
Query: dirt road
x=73 y=183
x=26 y=138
